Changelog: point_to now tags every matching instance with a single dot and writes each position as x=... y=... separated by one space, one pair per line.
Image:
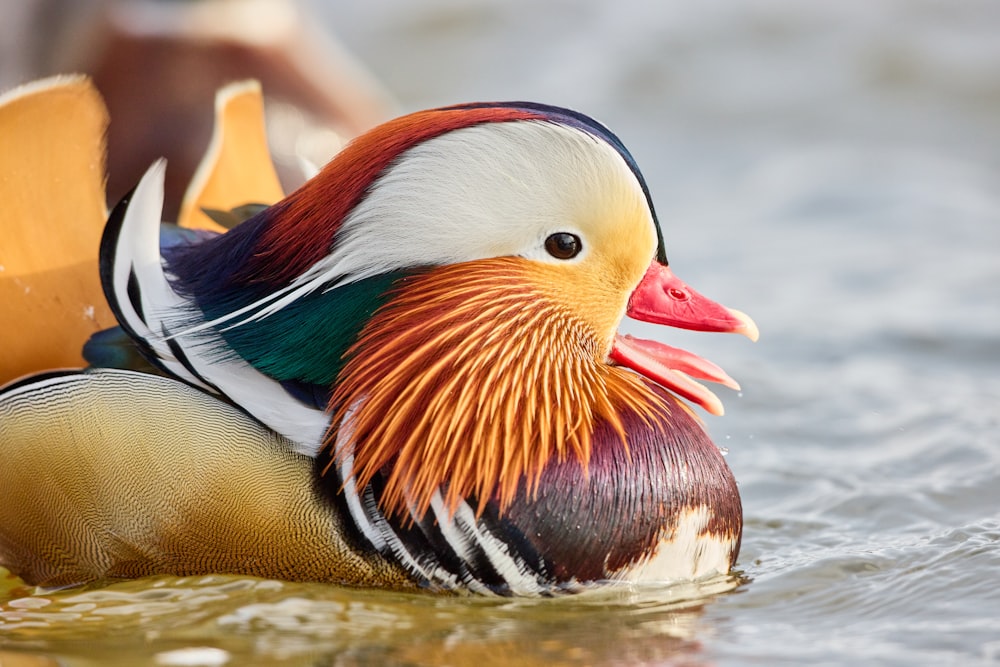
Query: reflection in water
x=222 y=619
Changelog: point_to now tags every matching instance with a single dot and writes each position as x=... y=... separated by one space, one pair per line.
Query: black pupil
x=563 y=245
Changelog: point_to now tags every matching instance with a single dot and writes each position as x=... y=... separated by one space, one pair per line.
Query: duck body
x=404 y=374
x=111 y=492
x=108 y=474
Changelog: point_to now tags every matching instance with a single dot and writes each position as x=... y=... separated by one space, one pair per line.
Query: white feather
x=138 y=251
x=491 y=190
x=468 y=538
x=686 y=553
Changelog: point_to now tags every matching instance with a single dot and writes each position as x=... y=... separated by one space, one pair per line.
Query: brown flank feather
x=471 y=377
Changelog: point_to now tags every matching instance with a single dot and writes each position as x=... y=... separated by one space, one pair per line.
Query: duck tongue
x=662 y=298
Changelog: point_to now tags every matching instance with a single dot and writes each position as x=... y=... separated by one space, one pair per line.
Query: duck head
x=446 y=293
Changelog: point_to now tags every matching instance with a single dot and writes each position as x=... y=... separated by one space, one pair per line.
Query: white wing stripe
x=137 y=254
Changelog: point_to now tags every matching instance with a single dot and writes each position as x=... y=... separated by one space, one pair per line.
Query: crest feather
x=303 y=233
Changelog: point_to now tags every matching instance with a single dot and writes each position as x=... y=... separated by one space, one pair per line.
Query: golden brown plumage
x=170 y=480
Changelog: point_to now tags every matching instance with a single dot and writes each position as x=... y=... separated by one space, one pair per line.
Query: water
x=832 y=170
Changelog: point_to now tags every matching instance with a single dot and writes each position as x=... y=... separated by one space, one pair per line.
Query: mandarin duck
x=405 y=374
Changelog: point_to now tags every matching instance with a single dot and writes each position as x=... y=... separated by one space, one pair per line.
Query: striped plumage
x=426 y=328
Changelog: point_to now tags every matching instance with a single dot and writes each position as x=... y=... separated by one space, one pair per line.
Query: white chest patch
x=686 y=553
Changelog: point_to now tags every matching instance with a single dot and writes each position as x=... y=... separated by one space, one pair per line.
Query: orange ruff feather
x=473 y=376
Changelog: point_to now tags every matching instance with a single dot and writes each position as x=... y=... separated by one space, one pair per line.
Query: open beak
x=662 y=298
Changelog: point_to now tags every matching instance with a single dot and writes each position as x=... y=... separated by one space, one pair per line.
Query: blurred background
x=833 y=169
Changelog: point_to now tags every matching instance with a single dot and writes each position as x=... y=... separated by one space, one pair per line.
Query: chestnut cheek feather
x=487 y=359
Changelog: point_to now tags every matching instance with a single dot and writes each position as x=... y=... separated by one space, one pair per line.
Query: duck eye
x=563 y=245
